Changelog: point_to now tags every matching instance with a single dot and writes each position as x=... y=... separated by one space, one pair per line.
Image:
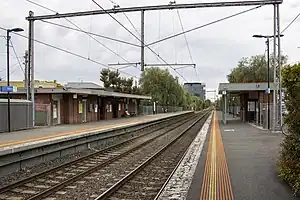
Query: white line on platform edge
x=179 y=184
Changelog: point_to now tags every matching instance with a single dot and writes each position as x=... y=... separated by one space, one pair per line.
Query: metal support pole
x=268 y=73
x=225 y=108
x=274 y=68
x=31 y=64
x=8 y=81
x=142 y=40
x=279 y=66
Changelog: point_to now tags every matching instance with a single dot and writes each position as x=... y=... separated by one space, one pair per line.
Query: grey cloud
x=216 y=49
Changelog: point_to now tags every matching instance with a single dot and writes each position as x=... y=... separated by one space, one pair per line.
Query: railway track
x=75 y=174
x=146 y=180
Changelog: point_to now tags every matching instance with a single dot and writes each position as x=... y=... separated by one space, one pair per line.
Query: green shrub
x=289 y=156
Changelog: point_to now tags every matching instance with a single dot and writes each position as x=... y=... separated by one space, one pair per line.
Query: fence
x=148 y=110
x=42 y=115
x=20 y=115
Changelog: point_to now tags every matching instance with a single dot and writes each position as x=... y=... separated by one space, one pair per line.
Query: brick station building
x=78 y=103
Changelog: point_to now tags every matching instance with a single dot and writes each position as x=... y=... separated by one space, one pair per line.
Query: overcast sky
x=215 y=49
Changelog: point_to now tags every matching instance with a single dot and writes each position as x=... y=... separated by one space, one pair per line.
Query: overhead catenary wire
x=174 y=39
x=14 y=50
x=138 y=39
x=89 y=34
x=202 y=26
x=186 y=41
x=132 y=24
x=14 y=68
x=117 y=21
x=187 y=44
x=128 y=19
x=69 y=52
x=158 y=29
x=289 y=25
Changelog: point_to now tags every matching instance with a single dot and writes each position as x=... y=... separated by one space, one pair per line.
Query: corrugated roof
x=83 y=91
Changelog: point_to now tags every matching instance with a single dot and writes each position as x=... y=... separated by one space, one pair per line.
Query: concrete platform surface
x=235 y=161
x=238 y=161
x=54 y=132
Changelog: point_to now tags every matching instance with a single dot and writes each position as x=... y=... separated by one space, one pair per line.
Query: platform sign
x=8 y=89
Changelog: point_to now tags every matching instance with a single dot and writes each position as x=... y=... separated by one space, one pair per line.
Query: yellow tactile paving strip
x=216 y=183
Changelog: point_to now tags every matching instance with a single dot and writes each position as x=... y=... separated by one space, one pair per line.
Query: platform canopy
x=244 y=87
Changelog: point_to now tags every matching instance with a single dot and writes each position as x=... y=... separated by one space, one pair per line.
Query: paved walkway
x=40 y=134
x=238 y=161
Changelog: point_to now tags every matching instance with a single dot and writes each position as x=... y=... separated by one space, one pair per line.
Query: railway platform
x=229 y=161
x=46 y=135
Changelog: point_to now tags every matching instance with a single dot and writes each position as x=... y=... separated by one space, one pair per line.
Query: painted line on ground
x=179 y=184
x=216 y=184
x=77 y=132
x=61 y=135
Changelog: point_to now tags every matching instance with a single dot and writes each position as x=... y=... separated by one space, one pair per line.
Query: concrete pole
x=279 y=66
x=142 y=40
x=275 y=69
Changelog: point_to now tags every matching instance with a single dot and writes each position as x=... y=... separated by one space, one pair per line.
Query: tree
x=207 y=103
x=104 y=77
x=197 y=103
x=164 y=88
x=289 y=159
x=253 y=69
x=112 y=80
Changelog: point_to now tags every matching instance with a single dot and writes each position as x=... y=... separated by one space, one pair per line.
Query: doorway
x=84 y=110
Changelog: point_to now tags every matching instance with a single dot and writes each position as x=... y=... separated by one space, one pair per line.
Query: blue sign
x=7 y=88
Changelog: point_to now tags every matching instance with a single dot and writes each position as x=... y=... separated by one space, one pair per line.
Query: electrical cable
x=187 y=44
x=288 y=26
x=132 y=24
x=202 y=26
x=69 y=52
x=117 y=5
x=89 y=34
x=158 y=29
x=186 y=41
x=14 y=50
x=11 y=72
x=138 y=39
x=116 y=20
x=174 y=39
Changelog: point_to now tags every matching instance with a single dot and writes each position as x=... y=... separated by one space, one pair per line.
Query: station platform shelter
x=247 y=101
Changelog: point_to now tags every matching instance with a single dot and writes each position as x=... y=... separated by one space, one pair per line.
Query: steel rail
x=63 y=184
x=121 y=182
x=41 y=174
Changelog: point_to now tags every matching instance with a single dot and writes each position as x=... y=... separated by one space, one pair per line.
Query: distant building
x=196 y=89
x=37 y=84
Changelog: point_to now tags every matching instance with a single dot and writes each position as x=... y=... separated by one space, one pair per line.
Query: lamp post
x=268 y=73
x=8 y=73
